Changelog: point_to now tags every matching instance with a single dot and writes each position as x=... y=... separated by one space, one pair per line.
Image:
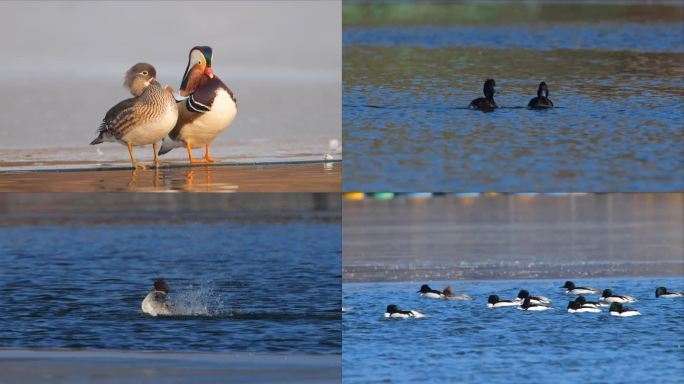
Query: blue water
x=618 y=125
x=464 y=341
x=256 y=285
x=662 y=37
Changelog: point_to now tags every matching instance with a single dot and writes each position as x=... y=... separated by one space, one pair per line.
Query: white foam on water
x=196 y=300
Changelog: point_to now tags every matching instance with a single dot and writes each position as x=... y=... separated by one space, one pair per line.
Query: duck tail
x=102 y=134
x=168 y=144
x=98 y=140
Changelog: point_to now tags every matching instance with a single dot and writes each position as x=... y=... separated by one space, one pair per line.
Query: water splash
x=196 y=300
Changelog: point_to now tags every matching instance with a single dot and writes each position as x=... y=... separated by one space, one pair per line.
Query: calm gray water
x=616 y=78
x=514 y=236
x=464 y=341
x=257 y=281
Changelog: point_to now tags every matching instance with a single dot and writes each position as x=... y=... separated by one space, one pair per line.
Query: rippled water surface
x=267 y=282
x=464 y=341
x=616 y=82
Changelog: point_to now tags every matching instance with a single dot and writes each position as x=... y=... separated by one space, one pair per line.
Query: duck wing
x=119 y=118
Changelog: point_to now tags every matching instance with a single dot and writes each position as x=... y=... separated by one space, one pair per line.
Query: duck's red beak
x=209 y=72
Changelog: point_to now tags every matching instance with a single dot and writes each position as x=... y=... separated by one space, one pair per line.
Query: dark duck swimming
x=486 y=103
x=542 y=100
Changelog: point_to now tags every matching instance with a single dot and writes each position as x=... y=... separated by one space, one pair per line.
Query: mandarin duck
x=146 y=118
x=209 y=108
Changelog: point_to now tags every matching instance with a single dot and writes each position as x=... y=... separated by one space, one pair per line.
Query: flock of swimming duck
x=526 y=302
x=487 y=103
x=153 y=114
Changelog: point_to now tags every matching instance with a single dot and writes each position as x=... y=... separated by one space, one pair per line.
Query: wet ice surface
x=115 y=156
x=262 y=177
x=240 y=282
x=465 y=341
x=617 y=86
x=30 y=366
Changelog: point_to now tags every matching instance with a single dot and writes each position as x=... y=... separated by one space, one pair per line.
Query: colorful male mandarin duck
x=143 y=119
x=209 y=108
